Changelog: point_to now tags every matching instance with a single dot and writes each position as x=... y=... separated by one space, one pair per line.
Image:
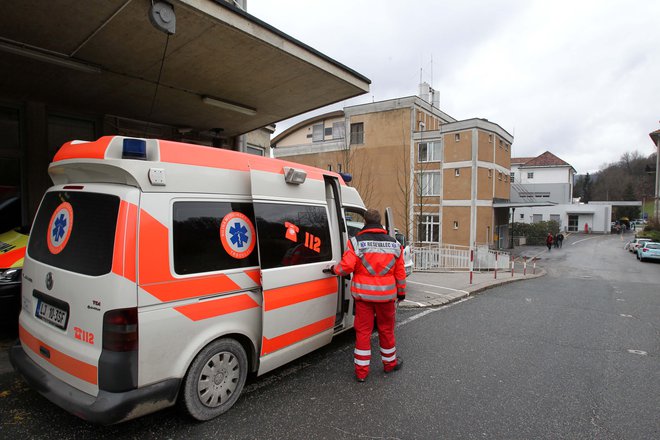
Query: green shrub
x=535 y=233
x=651 y=230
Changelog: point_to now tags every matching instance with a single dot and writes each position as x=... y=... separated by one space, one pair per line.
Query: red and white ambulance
x=158 y=271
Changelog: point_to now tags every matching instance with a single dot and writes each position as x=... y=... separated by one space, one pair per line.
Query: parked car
x=649 y=251
x=633 y=244
x=12 y=250
x=407 y=253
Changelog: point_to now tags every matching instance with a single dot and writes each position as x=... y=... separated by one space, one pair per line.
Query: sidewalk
x=432 y=289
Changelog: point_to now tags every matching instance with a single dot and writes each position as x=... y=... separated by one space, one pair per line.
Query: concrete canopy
x=104 y=56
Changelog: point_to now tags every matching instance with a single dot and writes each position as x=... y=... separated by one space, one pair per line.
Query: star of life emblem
x=237 y=235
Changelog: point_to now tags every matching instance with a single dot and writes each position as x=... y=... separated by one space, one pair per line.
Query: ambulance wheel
x=215 y=379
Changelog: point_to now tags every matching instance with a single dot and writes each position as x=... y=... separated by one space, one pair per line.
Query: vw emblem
x=49 y=281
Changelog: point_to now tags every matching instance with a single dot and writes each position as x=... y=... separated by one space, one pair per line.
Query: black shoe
x=360 y=379
x=397 y=367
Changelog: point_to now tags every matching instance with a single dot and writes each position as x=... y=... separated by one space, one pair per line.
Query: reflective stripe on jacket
x=376 y=260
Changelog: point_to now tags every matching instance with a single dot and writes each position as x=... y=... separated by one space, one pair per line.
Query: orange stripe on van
x=279 y=342
x=123 y=261
x=154 y=250
x=255 y=275
x=217 y=307
x=9 y=258
x=87 y=150
x=178 y=289
x=64 y=362
x=297 y=293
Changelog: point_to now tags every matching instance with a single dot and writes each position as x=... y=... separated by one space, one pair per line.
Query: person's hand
x=329 y=269
x=400 y=298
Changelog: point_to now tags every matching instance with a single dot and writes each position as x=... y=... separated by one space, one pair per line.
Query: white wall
x=544 y=175
x=596 y=216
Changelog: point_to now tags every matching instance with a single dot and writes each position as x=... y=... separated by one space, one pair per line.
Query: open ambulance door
x=297 y=230
x=389 y=222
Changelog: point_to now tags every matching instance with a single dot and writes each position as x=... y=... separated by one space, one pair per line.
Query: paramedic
x=379 y=279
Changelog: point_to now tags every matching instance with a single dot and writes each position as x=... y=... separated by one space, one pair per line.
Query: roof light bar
x=134 y=149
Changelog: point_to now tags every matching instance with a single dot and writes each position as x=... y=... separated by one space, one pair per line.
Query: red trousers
x=364 y=324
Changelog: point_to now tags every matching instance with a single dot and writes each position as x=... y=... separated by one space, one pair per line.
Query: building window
x=430 y=184
x=490 y=174
x=530 y=175
x=429 y=151
x=506 y=178
x=357 y=133
x=457 y=137
x=499 y=175
x=339 y=168
x=422 y=126
x=490 y=138
x=338 y=130
x=513 y=175
x=329 y=167
x=317 y=132
x=522 y=216
x=328 y=131
x=455 y=224
x=506 y=147
x=537 y=218
x=428 y=228
x=257 y=151
x=457 y=172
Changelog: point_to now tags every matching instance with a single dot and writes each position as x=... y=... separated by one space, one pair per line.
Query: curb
x=451 y=298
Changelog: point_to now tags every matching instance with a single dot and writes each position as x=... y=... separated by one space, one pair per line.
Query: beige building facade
x=440 y=176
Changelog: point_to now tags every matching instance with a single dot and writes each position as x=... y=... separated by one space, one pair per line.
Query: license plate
x=51 y=314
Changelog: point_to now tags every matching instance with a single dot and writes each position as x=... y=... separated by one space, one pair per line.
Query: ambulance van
x=159 y=272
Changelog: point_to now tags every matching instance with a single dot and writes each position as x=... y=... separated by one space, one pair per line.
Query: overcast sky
x=580 y=79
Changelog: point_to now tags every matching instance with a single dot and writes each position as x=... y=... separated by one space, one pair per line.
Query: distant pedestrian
x=556 y=240
x=560 y=239
x=548 y=241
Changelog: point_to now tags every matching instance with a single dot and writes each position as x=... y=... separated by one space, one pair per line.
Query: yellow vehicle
x=12 y=251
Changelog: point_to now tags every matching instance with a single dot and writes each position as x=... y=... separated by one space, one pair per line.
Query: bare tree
x=403 y=179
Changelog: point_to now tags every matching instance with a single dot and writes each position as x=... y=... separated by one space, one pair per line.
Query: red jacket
x=376 y=259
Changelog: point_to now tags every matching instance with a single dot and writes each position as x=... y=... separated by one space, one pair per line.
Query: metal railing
x=433 y=257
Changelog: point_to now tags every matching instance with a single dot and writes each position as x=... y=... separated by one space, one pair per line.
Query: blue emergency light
x=346 y=176
x=134 y=149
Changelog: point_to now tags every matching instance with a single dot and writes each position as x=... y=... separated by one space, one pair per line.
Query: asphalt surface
x=574 y=354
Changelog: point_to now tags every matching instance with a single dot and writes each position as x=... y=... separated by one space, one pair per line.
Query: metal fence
x=432 y=257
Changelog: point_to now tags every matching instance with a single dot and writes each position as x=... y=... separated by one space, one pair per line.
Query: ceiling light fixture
x=46 y=57
x=229 y=106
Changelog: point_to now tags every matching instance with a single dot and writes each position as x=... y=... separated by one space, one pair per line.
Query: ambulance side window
x=292 y=234
x=198 y=245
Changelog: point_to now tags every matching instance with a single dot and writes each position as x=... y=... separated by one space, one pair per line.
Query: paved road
x=574 y=354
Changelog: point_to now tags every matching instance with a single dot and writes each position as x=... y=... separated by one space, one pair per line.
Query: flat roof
x=107 y=58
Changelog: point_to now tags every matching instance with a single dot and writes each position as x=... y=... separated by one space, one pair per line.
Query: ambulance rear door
x=299 y=235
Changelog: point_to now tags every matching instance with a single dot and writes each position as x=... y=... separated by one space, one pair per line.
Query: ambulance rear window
x=75 y=231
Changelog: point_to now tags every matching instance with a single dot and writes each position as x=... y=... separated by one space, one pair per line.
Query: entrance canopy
x=222 y=68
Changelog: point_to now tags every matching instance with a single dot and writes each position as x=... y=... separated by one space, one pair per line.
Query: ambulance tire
x=214 y=380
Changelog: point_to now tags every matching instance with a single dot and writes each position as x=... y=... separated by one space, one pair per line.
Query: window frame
x=432 y=226
x=435 y=179
x=430 y=156
x=357 y=135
